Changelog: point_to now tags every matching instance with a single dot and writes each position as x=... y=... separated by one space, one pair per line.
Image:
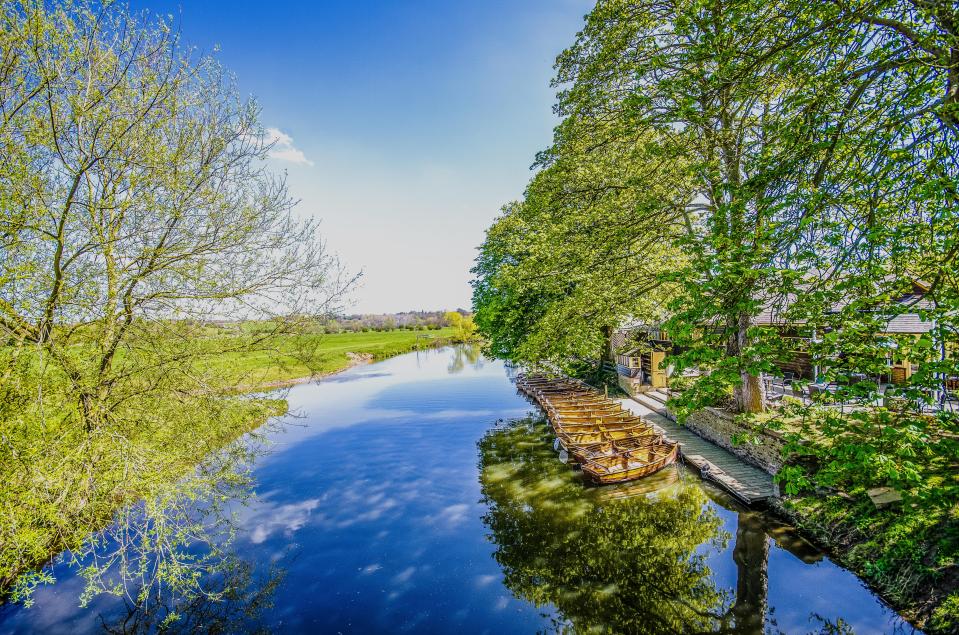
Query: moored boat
x=611 y=444
x=632 y=464
x=593 y=451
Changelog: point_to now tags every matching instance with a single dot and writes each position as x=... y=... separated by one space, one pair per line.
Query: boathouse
x=641 y=350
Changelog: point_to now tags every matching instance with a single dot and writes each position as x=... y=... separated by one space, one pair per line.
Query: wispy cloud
x=283 y=148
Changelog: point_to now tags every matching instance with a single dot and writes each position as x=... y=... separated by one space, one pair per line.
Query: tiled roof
x=908 y=323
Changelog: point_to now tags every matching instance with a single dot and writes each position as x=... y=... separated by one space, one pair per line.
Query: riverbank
x=905 y=553
x=282 y=365
x=62 y=483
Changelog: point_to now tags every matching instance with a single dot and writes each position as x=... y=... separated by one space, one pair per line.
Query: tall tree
x=585 y=250
x=701 y=76
x=136 y=207
x=135 y=192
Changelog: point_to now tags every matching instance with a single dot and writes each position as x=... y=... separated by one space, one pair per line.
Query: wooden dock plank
x=745 y=482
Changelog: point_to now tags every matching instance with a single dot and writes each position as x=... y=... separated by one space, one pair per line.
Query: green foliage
x=908 y=552
x=463 y=327
x=607 y=563
x=61 y=485
x=945 y=618
x=791 y=176
x=583 y=252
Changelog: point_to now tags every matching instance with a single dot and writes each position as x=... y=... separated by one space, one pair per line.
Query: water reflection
x=608 y=564
x=464 y=354
x=751 y=555
x=651 y=556
x=234 y=602
x=165 y=563
x=373 y=505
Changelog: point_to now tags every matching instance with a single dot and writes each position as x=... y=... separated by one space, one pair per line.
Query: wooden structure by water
x=611 y=444
x=747 y=483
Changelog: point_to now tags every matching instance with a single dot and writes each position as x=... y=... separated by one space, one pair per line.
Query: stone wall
x=719 y=427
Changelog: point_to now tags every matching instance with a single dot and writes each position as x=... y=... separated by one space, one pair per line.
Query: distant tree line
x=344 y=323
x=406 y=320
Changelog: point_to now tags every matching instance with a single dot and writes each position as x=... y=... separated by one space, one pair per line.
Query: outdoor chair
x=788 y=379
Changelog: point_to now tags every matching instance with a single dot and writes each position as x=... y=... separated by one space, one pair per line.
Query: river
x=421 y=494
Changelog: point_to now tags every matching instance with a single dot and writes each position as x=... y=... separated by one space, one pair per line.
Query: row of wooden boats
x=611 y=445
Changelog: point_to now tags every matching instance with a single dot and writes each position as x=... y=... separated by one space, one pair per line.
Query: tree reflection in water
x=464 y=354
x=233 y=603
x=170 y=557
x=625 y=560
x=751 y=555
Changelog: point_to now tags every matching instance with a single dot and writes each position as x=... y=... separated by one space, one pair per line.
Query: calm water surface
x=420 y=494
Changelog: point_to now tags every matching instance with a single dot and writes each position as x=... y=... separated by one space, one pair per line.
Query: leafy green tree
x=812 y=166
x=464 y=329
x=136 y=208
x=877 y=192
x=584 y=251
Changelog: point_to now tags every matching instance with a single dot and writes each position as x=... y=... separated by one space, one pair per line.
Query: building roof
x=911 y=304
x=908 y=323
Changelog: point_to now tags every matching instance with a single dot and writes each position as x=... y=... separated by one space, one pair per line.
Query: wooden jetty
x=610 y=444
x=747 y=483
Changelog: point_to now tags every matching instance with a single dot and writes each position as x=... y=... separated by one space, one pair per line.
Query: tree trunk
x=751 y=555
x=748 y=394
x=608 y=345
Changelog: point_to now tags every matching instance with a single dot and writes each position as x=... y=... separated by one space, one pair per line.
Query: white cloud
x=283 y=148
x=277 y=136
x=451 y=516
x=271 y=518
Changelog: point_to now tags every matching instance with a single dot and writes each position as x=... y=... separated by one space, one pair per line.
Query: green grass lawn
x=300 y=356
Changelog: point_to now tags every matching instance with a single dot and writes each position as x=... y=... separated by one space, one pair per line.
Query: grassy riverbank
x=61 y=482
x=285 y=361
x=908 y=550
x=909 y=553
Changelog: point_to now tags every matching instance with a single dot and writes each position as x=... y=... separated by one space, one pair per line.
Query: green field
x=327 y=354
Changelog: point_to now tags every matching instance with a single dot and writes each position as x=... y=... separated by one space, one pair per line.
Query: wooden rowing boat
x=611 y=444
x=586 y=437
x=587 y=415
x=618 y=422
x=570 y=407
x=635 y=428
x=595 y=419
x=597 y=407
x=632 y=464
x=591 y=401
x=605 y=449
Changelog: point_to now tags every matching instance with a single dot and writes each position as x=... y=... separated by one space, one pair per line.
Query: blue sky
x=405 y=125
